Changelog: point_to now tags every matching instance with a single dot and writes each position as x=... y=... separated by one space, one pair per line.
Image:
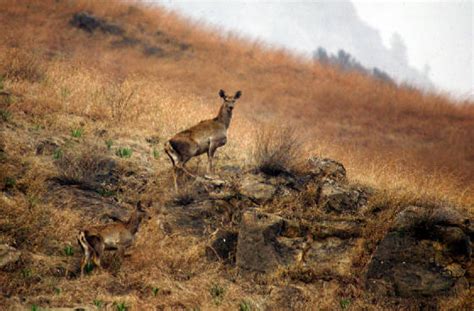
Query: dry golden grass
x=413 y=147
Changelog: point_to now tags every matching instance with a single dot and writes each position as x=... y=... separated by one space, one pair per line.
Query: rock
x=332 y=256
x=90 y=23
x=223 y=247
x=260 y=247
x=196 y=218
x=343 y=229
x=255 y=188
x=341 y=198
x=422 y=255
x=410 y=280
x=322 y=168
x=8 y=255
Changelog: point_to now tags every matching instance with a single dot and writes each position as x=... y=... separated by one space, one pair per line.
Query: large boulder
x=256 y=188
x=265 y=242
x=332 y=256
x=426 y=253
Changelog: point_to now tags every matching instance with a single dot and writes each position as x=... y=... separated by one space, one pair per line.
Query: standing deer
x=115 y=236
x=204 y=137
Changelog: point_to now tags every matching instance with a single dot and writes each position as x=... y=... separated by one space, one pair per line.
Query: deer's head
x=229 y=101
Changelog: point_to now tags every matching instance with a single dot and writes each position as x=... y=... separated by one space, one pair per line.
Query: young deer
x=204 y=137
x=114 y=236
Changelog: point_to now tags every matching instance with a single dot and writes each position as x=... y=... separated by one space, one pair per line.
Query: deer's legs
x=210 y=156
x=85 y=259
x=175 y=177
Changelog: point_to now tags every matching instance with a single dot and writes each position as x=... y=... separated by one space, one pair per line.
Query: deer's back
x=113 y=235
x=195 y=140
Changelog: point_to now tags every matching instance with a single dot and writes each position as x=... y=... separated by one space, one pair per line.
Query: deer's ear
x=238 y=94
x=222 y=93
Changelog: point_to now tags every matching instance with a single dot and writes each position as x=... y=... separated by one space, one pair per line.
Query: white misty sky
x=438 y=34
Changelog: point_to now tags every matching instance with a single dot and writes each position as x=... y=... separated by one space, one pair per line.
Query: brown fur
x=204 y=137
x=116 y=236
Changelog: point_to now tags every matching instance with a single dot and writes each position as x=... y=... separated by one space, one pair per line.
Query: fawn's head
x=229 y=101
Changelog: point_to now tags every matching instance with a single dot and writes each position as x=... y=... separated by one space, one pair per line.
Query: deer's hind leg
x=174 y=158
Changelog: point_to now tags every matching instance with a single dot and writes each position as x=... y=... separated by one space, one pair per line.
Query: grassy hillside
x=151 y=74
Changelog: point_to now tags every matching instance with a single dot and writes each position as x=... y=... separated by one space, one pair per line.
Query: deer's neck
x=133 y=223
x=224 y=116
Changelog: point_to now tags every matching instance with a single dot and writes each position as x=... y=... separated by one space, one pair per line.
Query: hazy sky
x=437 y=33
x=435 y=39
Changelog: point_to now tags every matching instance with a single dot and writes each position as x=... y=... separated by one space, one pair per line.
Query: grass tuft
x=277 y=150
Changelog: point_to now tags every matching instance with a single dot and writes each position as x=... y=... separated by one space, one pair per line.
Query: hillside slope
x=87 y=102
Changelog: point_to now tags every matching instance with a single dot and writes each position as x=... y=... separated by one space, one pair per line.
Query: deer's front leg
x=210 y=155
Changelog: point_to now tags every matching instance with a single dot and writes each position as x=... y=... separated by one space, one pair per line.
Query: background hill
x=137 y=75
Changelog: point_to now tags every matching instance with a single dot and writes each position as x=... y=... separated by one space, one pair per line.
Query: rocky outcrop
x=426 y=253
x=263 y=244
x=322 y=168
x=256 y=188
x=341 y=198
x=91 y=23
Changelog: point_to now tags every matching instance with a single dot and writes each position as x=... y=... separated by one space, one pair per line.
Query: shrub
x=119 y=97
x=276 y=150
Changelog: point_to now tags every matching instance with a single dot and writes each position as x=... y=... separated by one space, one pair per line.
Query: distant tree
x=345 y=61
x=321 y=55
x=382 y=75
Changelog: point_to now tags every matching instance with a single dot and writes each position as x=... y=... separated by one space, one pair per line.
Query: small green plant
x=109 y=143
x=36 y=127
x=245 y=306
x=26 y=273
x=156 y=153
x=345 y=303
x=58 y=154
x=5 y=115
x=217 y=293
x=124 y=152
x=57 y=290
x=69 y=251
x=155 y=291
x=65 y=92
x=1 y=83
x=89 y=267
x=35 y=308
x=98 y=303
x=121 y=306
x=10 y=182
x=105 y=193
x=32 y=200
x=77 y=133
